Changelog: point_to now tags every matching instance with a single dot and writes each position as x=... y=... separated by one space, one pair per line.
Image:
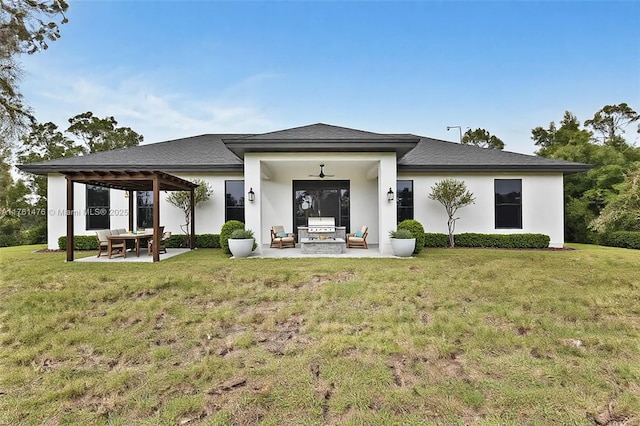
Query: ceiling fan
x=321 y=175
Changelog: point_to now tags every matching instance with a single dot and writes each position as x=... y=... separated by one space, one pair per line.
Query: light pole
x=456 y=127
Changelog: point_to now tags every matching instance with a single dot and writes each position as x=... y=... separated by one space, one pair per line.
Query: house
x=357 y=177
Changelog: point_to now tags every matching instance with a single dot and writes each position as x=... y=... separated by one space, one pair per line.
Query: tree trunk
x=451 y=224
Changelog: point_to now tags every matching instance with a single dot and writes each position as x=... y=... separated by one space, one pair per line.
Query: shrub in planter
x=416 y=229
x=241 y=242
x=225 y=233
x=403 y=243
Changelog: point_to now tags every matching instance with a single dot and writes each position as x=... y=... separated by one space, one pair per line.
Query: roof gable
x=318 y=132
x=322 y=138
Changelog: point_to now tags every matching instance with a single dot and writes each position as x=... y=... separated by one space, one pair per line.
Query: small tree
x=182 y=200
x=452 y=194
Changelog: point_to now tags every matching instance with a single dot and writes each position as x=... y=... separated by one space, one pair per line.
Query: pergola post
x=130 y=194
x=156 y=219
x=69 y=213
x=192 y=242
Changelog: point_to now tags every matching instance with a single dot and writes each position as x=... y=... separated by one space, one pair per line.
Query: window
x=144 y=213
x=98 y=207
x=234 y=200
x=508 y=203
x=404 y=191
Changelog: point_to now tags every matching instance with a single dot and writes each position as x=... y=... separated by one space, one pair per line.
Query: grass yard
x=464 y=336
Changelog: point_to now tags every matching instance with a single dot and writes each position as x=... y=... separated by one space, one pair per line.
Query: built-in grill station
x=321 y=227
x=322 y=236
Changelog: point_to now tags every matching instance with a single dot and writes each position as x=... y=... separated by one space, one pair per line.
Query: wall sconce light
x=390 y=195
x=252 y=195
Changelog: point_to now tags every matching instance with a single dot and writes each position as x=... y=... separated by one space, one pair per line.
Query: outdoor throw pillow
x=281 y=234
x=359 y=234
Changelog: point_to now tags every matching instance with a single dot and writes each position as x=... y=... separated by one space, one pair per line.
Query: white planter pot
x=403 y=247
x=240 y=247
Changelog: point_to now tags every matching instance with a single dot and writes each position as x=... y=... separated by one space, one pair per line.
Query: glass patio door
x=317 y=198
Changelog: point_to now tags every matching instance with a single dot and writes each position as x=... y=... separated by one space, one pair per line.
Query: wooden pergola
x=129 y=180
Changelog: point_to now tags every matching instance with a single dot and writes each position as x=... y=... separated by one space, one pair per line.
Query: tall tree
x=586 y=194
x=610 y=122
x=453 y=195
x=482 y=138
x=102 y=134
x=622 y=212
x=45 y=142
x=26 y=26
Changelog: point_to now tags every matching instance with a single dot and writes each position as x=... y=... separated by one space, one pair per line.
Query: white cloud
x=147 y=105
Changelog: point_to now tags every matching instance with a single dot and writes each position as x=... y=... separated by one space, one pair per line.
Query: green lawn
x=464 y=336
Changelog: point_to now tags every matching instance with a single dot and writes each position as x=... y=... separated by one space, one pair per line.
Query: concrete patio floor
x=275 y=253
x=131 y=257
x=266 y=253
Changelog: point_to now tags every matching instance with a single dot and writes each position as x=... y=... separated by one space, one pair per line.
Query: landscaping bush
x=503 y=240
x=436 y=240
x=90 y=242
x=208 y=241
x=80 y=242
x=522 y=241
x=624 y=239
x=416 y=229
x=225 y=233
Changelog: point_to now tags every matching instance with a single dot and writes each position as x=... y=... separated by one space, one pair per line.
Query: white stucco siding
x=542 y=204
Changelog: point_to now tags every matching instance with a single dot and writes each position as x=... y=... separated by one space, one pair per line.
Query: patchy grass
x=452 y=337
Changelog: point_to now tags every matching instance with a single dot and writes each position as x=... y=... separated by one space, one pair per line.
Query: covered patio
x=130 y=181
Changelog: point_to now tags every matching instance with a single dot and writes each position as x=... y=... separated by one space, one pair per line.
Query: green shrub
x=225 y=233
x=177 y=241
x=90 y=242
x=416 y=229
x=36 y=234
x=80 y=242
x=401 y=234
x=624 y=239
x=208 y=241
x=523 y=241
x=241 y=234
x=436 y=240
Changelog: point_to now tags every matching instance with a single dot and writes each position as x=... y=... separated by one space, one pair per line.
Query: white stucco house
x=514 y=193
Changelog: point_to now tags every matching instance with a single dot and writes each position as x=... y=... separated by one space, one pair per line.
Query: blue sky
x=172 y=69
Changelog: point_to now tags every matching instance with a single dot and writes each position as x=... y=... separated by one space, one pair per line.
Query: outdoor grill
x=321 y=225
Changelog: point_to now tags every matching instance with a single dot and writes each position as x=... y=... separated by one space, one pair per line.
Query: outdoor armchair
x=282 y=239
x=358 y=239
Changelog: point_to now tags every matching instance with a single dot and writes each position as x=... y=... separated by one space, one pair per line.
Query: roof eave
x=565 y=169
x=399 y=147
x=45 y=169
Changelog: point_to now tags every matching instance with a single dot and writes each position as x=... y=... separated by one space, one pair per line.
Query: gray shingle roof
x=216 y=152
x=204 y=152
x=323 y=132
x=438 y=155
